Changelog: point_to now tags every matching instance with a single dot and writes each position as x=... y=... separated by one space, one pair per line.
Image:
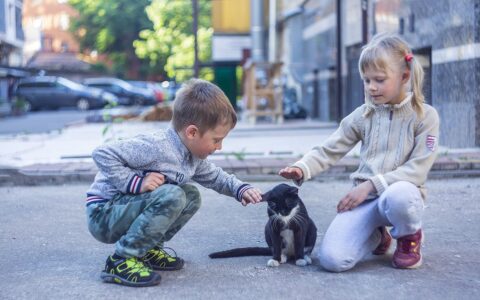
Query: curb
x=252 y=169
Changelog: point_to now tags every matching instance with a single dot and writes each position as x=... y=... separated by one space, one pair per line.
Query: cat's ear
x=266 y=196
x=293 y=190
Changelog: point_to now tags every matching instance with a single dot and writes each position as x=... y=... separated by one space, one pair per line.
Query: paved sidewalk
x=452 y=165
x=47 y=252
x=253 y=152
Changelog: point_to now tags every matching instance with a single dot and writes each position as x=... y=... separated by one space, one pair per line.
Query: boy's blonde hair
x=202 y=104
x=388 y=50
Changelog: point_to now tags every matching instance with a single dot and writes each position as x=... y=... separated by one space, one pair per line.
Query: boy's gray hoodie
x=123 y=164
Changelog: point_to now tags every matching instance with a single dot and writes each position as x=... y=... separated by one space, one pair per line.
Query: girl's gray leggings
x=353 y=234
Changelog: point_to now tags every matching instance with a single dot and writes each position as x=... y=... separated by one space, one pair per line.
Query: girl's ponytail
x=416 y=82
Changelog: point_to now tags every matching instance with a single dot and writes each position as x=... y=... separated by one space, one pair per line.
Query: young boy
x=141 y=197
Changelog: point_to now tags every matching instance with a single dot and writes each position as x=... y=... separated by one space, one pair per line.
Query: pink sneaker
x=407 y=255
x=385 y=242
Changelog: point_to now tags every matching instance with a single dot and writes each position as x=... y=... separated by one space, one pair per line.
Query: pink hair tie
x=408 y=57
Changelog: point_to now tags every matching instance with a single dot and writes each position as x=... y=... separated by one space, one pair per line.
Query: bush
x=19 y=105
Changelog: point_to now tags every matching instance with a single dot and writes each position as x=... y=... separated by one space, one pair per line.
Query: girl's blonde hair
x=390 y=51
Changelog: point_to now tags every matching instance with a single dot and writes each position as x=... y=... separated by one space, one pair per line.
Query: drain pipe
x=272 y=31
x=288 y=14
x=256 y=31
x=339 y=61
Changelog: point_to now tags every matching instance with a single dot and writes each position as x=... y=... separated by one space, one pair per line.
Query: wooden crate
x=263 y=91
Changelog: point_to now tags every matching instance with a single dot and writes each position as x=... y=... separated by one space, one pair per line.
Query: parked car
x=54 y=92
x=127 y=93
x=172 y=88
x=154 y=88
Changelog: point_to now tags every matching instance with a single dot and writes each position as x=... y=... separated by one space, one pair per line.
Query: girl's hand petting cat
x=294 y=173
x=356 y=196
x=252 y=195
x=152 y=181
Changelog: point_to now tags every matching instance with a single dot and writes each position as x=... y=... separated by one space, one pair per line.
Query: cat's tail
x=237 y=252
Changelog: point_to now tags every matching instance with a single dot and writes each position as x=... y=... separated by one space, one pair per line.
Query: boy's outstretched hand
x=252 y=195
x=152 y=181
x=294 y=173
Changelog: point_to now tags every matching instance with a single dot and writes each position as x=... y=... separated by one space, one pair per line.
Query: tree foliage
x=171 y=43
x=110 y=27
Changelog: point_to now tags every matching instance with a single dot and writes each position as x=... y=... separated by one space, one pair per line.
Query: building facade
x=231 y=43
x=11 y=46
x=11 y=32
x=444 y=35
x=49 y=44
x=46 y=24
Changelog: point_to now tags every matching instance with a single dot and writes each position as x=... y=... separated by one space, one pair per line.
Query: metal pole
x=195 y=38
x=316 y=96
x=364 y=22
x=339 y=60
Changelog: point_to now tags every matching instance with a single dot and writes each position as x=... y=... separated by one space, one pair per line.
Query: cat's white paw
x=273 y=263
x=307 y=259
x=301 y=262
x=283 y=258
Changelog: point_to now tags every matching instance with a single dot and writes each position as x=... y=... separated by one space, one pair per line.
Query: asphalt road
x=46 y=251
x=41 y=121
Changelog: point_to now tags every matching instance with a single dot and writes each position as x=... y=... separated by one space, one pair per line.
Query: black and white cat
x=289 y=232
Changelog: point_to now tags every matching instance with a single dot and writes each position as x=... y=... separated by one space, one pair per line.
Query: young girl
x=399 y=137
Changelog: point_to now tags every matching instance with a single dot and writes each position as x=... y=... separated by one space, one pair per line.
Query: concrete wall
x=444 y=34
x=449 y=29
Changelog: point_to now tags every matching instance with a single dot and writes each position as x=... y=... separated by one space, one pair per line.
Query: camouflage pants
x=137 y=223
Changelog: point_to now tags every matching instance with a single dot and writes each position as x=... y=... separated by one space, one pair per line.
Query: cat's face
x=282 y=199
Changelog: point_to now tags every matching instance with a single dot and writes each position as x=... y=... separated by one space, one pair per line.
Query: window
x=36 y=85
x=38 y=22
x=99 y=85
x=48 y=22
x=25 y=85
x=64 y=21
x=47 y=43
x=46 y=84
x=18 y=22
x=64 y=47
x=3 y=24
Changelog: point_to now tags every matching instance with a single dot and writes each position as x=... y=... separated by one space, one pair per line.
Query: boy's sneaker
x=129 y=271
x=385 y=242
x=159 y=260
x=407 y=255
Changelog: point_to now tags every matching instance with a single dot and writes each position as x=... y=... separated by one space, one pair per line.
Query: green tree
x=110 y=27
x=171 y=42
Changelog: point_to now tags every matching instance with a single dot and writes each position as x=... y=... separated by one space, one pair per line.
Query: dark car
x=127 y=93
x=54 y=92
x=155 y=88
